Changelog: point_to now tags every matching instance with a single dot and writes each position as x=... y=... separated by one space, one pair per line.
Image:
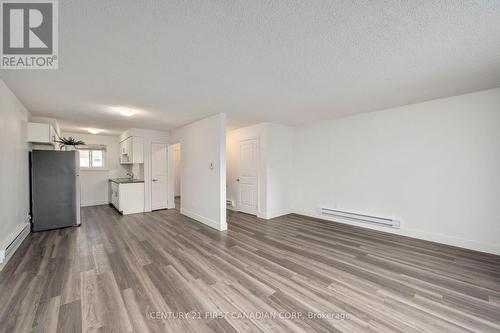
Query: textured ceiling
x=291 y=62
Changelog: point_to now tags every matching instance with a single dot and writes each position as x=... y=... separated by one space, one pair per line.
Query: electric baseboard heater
x=381 y=221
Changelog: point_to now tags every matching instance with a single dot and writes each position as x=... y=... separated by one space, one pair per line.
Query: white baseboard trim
x=272 y=215
x=94 y=203
x=469 y=244
x=209 y=222
x=12 y=242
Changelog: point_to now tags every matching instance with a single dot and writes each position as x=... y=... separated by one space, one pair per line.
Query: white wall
x=14 y=164
x=279 y=170
x=144 y=170
x=203 y=190
x=94 y=187
x=434 y=165
x=275 y=167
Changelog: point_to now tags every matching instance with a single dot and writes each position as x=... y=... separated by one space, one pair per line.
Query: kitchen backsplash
x=136 y=169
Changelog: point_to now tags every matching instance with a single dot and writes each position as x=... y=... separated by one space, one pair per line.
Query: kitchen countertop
x=126 y=180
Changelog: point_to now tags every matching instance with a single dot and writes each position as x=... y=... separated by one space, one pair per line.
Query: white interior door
x=247 y=176
x=159 y=187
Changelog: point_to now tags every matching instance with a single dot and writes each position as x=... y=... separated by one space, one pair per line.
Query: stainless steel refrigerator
x=55 y=189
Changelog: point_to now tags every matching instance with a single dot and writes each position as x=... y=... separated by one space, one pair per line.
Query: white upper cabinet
x=41 y=133
x=132 y=150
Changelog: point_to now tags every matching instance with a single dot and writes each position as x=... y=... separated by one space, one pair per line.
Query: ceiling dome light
x=127 y=112
x=93 y=131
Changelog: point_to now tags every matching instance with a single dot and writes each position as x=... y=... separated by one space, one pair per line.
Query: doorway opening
x=174 y=176
x=177 y=175
x=244 y=174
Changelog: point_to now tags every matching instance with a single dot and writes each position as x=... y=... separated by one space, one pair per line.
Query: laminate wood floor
x=149 y=272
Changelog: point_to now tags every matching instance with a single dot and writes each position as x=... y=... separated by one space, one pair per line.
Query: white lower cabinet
x=127 y=198
x=114 y=195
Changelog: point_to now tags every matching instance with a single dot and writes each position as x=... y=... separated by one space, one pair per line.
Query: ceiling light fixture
x=127 y=112
x=93 y=131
